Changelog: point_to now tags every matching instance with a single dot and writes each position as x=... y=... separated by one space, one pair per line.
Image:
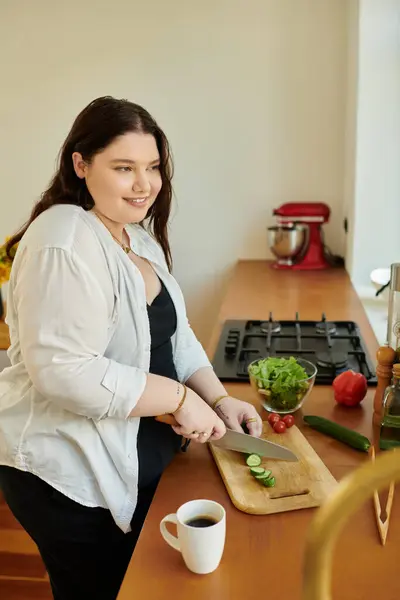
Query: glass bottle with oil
x=390 y=424
x=393 y=322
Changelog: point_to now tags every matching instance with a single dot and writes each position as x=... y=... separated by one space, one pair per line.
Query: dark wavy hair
x=103 y=120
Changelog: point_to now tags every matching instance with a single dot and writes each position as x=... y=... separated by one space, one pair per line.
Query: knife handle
x=168 y=420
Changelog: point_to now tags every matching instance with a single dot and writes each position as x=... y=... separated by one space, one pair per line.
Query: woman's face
x=124 y=179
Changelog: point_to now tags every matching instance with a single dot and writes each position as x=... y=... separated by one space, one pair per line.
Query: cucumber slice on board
x=256 y=471
x=253 y=460
x=265 y=475
x=269 y=482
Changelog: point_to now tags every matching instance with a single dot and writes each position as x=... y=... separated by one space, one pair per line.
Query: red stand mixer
x=297 y=239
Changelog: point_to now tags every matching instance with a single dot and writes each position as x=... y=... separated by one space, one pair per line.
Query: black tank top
x=158 y=443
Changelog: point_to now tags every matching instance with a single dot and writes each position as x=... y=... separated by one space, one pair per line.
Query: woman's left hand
x=235 y=413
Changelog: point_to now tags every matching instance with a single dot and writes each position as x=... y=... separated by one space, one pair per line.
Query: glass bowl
x=283 y=399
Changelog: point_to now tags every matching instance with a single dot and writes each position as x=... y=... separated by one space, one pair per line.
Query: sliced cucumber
x=257 y=471
x=269 y=482
x=253 y=460
x=265 y=475
x=343 y=434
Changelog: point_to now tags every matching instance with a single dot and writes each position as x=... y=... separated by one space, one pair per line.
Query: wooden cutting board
x=304 y=484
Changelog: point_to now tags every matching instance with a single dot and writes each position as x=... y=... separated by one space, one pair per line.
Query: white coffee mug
x=201 y=526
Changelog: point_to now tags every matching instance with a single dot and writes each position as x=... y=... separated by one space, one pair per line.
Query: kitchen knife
x=242 y=442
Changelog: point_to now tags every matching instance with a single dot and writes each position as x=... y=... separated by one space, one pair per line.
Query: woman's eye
x=154 y=168
x=123 y=169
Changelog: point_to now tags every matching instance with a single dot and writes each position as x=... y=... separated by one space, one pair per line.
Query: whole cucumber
x=343 y=434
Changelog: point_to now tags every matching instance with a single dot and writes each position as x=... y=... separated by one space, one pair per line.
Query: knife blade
x=243 y=442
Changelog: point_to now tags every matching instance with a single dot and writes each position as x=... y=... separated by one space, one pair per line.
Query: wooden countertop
x=4 y=333
x=4 y=336
x=263 y=554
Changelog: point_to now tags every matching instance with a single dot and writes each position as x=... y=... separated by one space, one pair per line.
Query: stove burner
x=332 y=359
x=325 y=327
x=242 y=341
x=270 y=326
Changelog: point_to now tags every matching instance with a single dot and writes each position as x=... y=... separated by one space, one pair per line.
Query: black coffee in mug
x=201 y=521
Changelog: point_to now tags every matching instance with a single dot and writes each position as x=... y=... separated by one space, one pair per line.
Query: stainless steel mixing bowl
x=286 y=242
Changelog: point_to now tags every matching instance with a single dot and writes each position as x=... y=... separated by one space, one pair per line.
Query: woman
x=100 y=345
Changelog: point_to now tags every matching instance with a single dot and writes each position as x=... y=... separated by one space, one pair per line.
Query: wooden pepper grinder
x=387 y=355
x=386 y=358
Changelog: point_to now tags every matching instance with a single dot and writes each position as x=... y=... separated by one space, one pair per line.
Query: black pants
x=85 y=553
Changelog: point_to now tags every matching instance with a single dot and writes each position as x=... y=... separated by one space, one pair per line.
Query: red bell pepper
x=350 y=388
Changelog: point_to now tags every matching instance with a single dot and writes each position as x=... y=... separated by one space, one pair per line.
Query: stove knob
x=231 y=348
x=233 y=334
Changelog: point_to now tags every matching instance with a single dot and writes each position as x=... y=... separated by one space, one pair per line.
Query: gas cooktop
x=333 y=346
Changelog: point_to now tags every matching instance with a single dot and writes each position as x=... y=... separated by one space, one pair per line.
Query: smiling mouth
x=136 y=201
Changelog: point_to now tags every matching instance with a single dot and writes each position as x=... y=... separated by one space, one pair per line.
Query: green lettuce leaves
x=283 y=378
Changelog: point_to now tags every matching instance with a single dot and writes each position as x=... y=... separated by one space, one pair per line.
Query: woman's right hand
x=197 y=420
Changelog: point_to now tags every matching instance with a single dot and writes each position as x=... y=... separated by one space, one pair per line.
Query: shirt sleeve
x=63 y=322
x=190 y=354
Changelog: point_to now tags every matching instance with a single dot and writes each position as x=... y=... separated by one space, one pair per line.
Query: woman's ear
x=80 y=166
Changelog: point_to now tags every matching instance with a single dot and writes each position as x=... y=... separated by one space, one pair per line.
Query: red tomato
x=273 y=418
x=279 y=427
x=288 y=420
x=350 y=388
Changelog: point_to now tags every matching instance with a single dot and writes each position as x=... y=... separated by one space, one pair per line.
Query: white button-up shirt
x=80 y=354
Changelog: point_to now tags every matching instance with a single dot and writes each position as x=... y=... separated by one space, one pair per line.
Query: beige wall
x=353 y=17
x=251 y=94
x=373 y=163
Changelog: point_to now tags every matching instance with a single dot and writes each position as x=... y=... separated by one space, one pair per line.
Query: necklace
x=124 y=247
